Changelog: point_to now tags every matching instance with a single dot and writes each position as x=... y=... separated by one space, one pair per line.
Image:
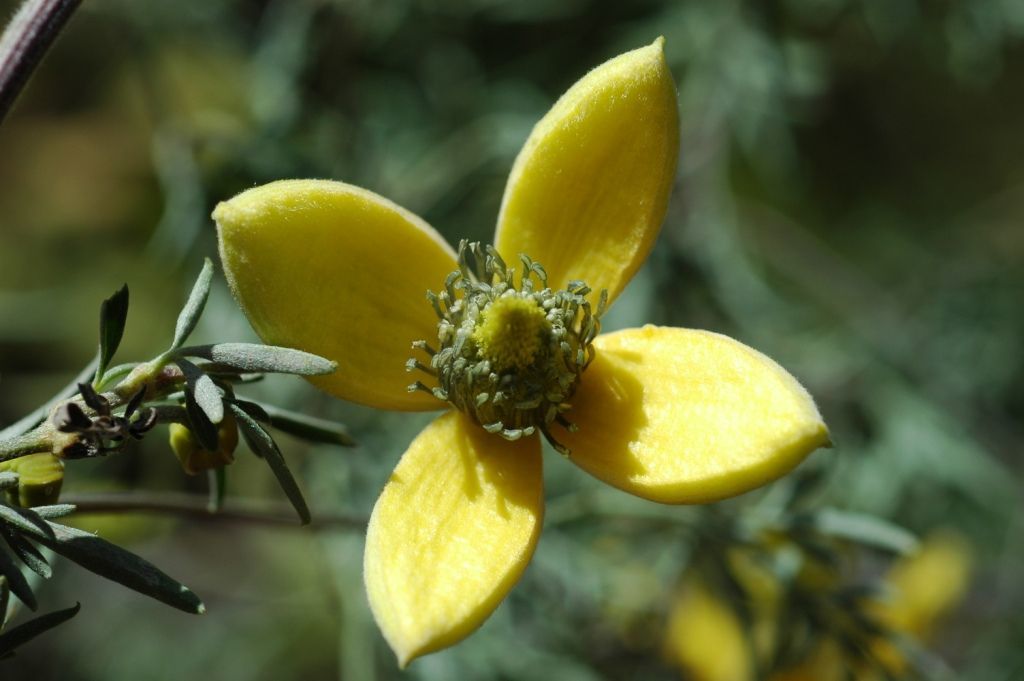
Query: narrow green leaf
x=208 y=398
x=251 y=357
x=51 y=511
x=207 y=394
x=16 y=579
x=261 y=443
x=300 y=425
x=22 y=519
x=23 y=633
x=193 y=309
x=32 y=420
x=199 y=423
x=114 y=563
x=253 y=409
x=113 y=315
x=27 y=553
x=8 y=480
x=864 y=529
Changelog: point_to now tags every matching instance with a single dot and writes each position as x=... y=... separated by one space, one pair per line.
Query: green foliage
x=849 y=201
x=91 y=424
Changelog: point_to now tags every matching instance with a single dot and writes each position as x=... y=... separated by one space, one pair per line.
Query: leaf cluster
x=813 y=574
x=109 y=406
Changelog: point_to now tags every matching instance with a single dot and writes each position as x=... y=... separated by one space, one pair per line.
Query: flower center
x=510 y=355
x=511 y=332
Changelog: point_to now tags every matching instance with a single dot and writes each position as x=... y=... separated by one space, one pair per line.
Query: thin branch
x=194 y=506
x=25 y=41
x=33 y=442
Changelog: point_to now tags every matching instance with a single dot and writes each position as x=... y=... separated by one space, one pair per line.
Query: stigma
x=511 y=332
x=510 y=350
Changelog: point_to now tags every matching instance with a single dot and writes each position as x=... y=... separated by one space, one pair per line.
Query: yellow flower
x=922 y=587
x=927 y=584
x=673 y=415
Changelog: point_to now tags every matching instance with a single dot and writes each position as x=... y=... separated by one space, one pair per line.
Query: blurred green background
x=849 y=200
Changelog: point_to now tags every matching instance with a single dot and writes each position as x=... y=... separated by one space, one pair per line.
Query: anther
x=509 y=356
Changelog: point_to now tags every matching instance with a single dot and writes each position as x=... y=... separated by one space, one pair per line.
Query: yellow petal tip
x=588 y=193
x=451 y=533
x=657 y=49
x=221 y=213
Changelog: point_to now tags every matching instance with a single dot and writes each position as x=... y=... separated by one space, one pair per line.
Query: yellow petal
x=686 y=416
x=824 y=662
x=588 y=192
x=927 y=584
x=705 y=637
x=451 y=533
x=336 y=270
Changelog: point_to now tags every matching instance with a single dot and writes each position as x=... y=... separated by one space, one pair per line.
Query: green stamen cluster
x=510 y=356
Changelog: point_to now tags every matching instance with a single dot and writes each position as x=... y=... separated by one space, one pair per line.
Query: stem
x=195 y=506
x=25 y=41
x=41 y=439
x=38 y=440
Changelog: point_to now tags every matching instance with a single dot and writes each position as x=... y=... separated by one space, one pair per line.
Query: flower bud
x=193 y=457
x=40 y=477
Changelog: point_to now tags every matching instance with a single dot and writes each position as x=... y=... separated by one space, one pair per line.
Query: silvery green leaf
x=193 y=309
x=114 y=563
x=23 y=633
x=27 y=553
x=199 y=423
x=251 y=357
x=261 y=443
x=22 y=519
x=8 y=479
x=301 y=425
x=864 y=529
x=207 y=395
x=254 y=409
x=113 y=315
x=16 y=579
x=51 y=511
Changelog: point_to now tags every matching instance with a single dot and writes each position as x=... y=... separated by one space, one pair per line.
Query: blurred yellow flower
x=705 y=637
x=921 y=588
x=672 y=415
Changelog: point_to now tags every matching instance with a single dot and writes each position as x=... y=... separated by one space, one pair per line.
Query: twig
x=25 y=41
x=30 y=443
x=194 y=506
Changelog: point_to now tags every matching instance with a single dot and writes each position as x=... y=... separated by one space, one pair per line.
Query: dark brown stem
x=25 y=41
x=194 y=506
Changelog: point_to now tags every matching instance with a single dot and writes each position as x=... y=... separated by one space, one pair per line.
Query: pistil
x=509 y=354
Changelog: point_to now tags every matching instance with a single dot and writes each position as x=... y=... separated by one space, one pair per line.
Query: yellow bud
x=193 y=457
x=40 y=477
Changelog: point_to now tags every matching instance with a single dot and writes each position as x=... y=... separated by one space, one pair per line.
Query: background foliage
x=849 y=201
